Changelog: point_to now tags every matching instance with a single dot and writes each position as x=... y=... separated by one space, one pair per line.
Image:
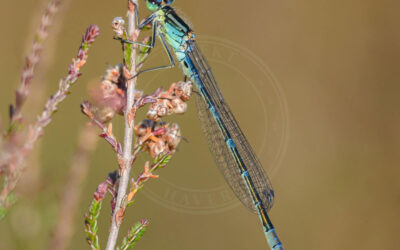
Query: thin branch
x=107 y=134
x=31 y=62
x=129 y=71
x=15 y=159
x=147 y=175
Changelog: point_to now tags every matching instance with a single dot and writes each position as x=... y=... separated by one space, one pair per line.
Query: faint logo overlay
x=263 y=95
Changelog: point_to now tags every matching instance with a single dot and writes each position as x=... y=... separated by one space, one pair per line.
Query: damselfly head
x=154 y=5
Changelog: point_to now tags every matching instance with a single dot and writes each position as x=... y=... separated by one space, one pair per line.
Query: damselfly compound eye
x=153 y=5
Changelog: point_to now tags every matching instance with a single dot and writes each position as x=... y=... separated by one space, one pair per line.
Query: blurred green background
x=314 y=85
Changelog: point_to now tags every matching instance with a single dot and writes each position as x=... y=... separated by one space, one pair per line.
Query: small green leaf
x=162 y=160
x=91 y=227
x=3 y=212
x=130 y=203
x=128 y=54
x=10 y=200
x=143 y=51
x=134 y=235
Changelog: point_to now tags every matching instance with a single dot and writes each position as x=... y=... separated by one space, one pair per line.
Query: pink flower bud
x=101 y=191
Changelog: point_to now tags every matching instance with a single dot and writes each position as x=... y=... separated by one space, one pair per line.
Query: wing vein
x=222 y=156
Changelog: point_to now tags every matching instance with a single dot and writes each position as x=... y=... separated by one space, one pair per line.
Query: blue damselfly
x=231 y=150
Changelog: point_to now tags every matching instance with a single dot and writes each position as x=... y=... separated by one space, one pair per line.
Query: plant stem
x=128 y=134
x=15 y=161
x=31 y=62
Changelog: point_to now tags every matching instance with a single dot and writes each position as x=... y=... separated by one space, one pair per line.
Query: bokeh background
x=328 y=139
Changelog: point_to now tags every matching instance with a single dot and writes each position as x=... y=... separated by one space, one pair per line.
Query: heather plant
x=20 y=137
x=117 y=95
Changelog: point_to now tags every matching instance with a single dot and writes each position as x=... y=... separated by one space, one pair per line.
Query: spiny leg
x=170 y=57
x=153 y=38
x=152 y=44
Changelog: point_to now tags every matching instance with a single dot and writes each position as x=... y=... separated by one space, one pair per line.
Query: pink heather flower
x=101 y=191
x=91 y=33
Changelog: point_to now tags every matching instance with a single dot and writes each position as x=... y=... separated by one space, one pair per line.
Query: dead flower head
x=158 y=138
x=171 y=102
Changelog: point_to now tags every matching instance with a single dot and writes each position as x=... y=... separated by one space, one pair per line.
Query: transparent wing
x=220 y=152
x=222 y=155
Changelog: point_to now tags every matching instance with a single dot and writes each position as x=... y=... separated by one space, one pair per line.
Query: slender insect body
x=177 y=34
